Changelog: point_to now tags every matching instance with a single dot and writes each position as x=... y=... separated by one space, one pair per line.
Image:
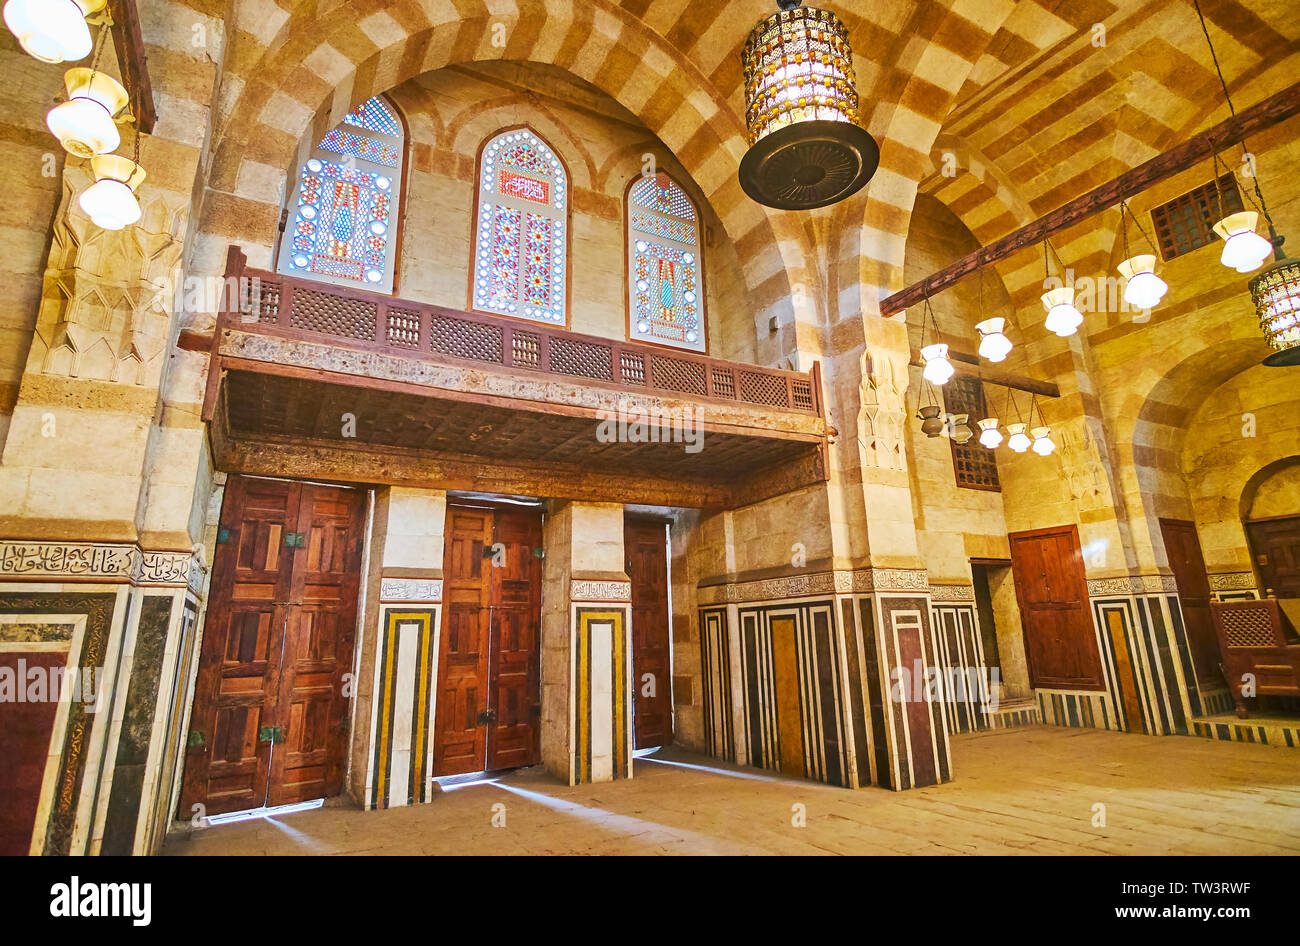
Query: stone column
x=397 y=660
x=586 y=645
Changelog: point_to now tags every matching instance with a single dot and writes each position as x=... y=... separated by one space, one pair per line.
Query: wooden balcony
x=313 y=380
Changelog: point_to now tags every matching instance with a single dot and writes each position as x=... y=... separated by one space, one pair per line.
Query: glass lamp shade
x=994 y=345
x=110 y=202
x=1062 y=317
x=808 y=146
x=52 y=30
x=990 y=436
x=1017 y=441
x=960 y=431
x=1144 y=288
x=931 y=423
x=938 y=369
x=1243 y=249
x=84 y=123
x=1276 y=293
x=1043 y=444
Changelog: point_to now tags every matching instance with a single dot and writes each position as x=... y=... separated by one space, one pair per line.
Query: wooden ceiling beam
x=1260 y=116
x=967 y=366
x=128 y=42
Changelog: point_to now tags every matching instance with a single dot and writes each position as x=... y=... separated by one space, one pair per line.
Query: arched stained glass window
x=665 y=279
x=520 y=250
x=343 y=215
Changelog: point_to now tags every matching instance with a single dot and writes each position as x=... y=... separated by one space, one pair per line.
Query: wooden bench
x=1257 y=638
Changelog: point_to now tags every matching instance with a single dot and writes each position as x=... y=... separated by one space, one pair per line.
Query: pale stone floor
x=1025 y=791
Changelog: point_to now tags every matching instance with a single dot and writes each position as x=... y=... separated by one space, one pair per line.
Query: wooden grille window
x=1187 y=222
x=974 y=464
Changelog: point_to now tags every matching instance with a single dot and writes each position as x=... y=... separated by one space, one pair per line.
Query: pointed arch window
x=343 y=214
x=521 y=241
x=665 y=277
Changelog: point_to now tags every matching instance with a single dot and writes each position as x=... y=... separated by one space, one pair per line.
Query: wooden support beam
x=128 y=42
x=968 y=367
x=1260 y=116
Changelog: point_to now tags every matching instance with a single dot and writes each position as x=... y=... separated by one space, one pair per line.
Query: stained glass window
x=343 y=212
x=665 y=282
x=521 y=241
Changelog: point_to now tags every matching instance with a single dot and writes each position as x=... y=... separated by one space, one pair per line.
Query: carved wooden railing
x=369 y=321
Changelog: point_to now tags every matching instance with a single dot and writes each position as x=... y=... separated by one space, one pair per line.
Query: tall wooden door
x=1184 y=550
x=645 y=545
x=1060 y=644
x=489 y=667
x=269 y=724
x=514 y=655
x=1275 y=544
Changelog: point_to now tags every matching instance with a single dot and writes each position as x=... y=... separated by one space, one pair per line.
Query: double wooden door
x=269 y=724
x=489 y=664
x=1184 y=551
x=646 y=547
x=1060 y=644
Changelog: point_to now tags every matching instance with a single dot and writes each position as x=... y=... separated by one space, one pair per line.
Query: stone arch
x=305 y=80
x=1251 y=488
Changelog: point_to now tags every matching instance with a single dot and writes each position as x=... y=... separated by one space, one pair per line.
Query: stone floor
x=1030 y=791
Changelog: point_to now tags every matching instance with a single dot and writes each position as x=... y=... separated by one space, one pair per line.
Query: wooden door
x=1060 y=644
x=1184 y=550
x=277 y=639
x=1275 y=544
x=320 y=627
x=489 y=706
x=646 y=550
x=514 y=659
x=460 y=736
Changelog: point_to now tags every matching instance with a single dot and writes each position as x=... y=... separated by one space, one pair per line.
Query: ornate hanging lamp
x=938 y=369
x=990 y=436
x=110 y=202
x=86 y=123
x=807 y=144
x=1143 y=289
x=52 y=30
x=1062 y=316
x=994 y=344
x=1042 y=434
x=1017 y=441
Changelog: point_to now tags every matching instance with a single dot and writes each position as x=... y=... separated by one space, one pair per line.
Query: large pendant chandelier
x=807 y=144
x=1275 y=291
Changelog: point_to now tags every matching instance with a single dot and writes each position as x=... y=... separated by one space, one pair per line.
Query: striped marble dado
x=793 y=690
x=1267 y=732
x=401 y=732
x=715 y=670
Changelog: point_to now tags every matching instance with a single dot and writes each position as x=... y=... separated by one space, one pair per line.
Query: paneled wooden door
x=489 y=665
x=1275 y=544
x=646 y=549
x=269 y=724
x=1184 y=551
x=1060 y=644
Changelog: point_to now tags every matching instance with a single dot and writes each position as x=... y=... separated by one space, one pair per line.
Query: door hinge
x=195 y=739
x=223 y=536
x=539 y=552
